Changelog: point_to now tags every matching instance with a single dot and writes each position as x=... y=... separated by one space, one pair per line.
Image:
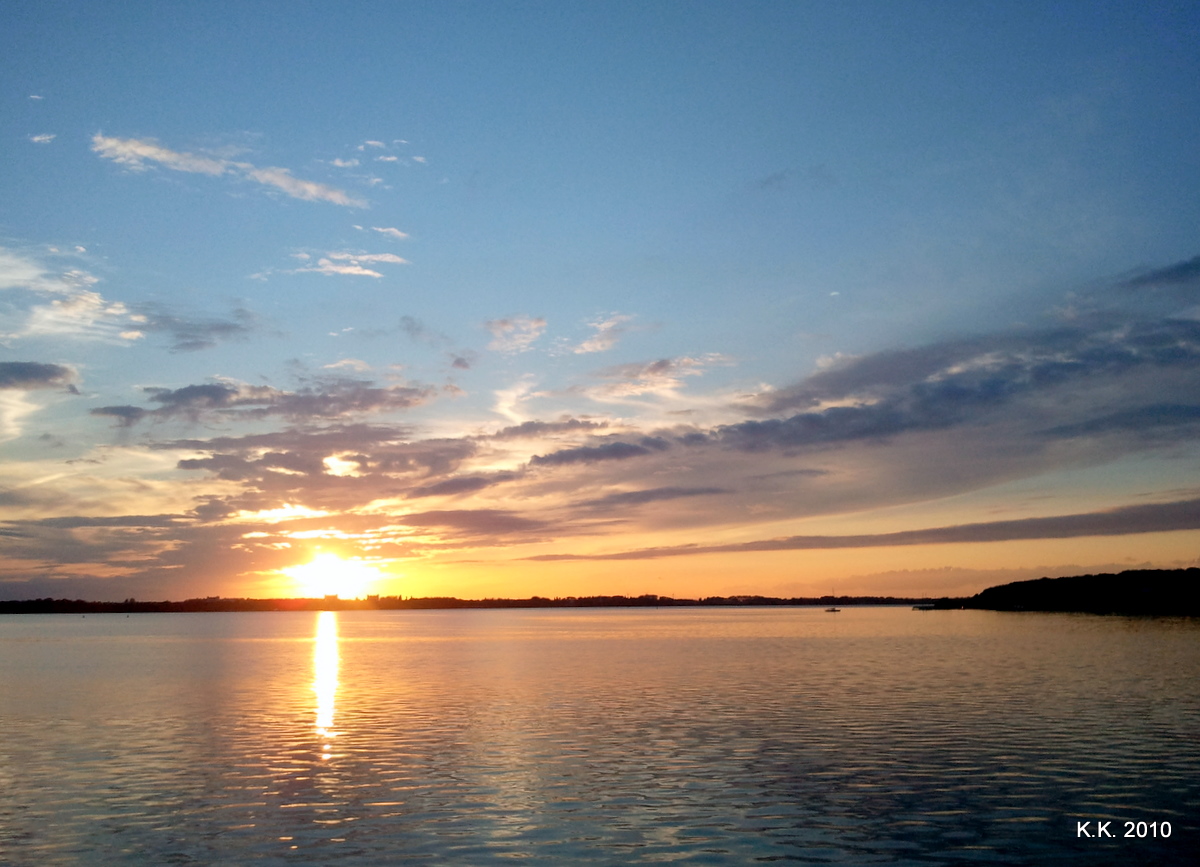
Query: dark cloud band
x=1155 y=518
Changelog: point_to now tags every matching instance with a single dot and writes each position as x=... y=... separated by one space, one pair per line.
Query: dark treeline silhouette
x=1136 y=591
x=329 y=603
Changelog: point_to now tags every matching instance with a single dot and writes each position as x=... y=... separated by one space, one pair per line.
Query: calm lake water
x=712 y=736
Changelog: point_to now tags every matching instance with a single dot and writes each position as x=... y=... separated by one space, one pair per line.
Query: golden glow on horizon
x=327 y=574
x=325 y=676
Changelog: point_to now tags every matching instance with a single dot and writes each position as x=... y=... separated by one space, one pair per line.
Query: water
x=711 y=736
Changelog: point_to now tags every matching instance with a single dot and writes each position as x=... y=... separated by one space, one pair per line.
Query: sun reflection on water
x=325 y=677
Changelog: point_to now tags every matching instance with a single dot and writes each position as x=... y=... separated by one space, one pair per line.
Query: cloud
x=415 y=329
x=18 y=271
x=135 y=154
x=344 y=263
x=1142 y=419
x=309 y=191
x=372 y=258
x=74 y=309
x=348 y=364
x=650 y=495
x=1126 y=520
x=663 y=377
x=1181 y=273
x=44 y=138
x=608 y=332
x=192 y=334
x=329 y=268
x=125 y=415
x=509 y=400
x=345 y=164
x=460 y=485
x=387 y=230
x=899 y=429
x=18 y=377
x=477 y=522
x=515 y=334
x=537 y=429
x=961 y=382
x=336 y=438
x=34 y=374
x=610 y=451
x=387 y=159
x=332 y=398
x=374 y=144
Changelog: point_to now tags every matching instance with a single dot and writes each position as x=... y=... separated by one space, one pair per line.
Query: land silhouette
x=1136 y=591
x=1172 y=592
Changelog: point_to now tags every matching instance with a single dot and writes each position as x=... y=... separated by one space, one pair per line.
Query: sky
x=564 y=299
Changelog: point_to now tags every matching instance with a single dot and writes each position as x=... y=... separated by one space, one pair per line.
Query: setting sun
x=329 y=575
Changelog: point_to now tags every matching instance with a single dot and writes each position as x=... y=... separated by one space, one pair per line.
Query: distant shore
x=394 y=603
x=1140 y=591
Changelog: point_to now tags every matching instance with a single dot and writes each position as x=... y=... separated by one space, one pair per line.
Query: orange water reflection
x=325 y=677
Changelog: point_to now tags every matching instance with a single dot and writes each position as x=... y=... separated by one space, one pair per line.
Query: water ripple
x=694 y=737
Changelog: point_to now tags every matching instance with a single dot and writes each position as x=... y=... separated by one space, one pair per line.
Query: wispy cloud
x=390 y=258
x=311 y=191
x=607 y=332
x=355 y=364
x=662 y=378
x=515 y=334
x=1181 y=273
x=44 y=138
x=616 y=450
x=83 y=314
x=193 y=333
x=626 y=499
x=20 y=271
x=510 y=401
x=389 y=231
x=1122 y=521
x=329 y=268
x=344 y=263
x=136 y=154
x=63 y=303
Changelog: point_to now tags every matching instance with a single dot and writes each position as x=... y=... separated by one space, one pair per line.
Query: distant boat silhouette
x=833 y=609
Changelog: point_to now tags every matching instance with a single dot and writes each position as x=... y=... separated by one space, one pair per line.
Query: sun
x=329 y=575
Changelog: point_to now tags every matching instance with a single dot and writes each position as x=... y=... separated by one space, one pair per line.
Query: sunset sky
x=500 y=299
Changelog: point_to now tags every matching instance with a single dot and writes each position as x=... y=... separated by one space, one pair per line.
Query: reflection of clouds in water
x=325 y=675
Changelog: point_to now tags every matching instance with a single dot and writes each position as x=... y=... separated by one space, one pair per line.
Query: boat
x=833 y=610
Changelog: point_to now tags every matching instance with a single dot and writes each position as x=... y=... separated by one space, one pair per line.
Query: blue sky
x=487 y=295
